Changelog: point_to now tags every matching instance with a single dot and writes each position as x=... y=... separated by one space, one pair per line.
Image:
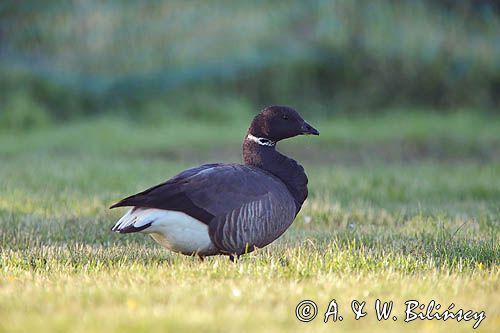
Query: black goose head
x=279 y=122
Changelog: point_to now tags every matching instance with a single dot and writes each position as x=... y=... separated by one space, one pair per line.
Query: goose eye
x=284 y=117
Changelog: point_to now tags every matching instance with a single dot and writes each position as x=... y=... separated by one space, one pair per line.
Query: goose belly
x=182 y=233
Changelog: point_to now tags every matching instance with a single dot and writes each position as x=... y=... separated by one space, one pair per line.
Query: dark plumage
x=227 y=208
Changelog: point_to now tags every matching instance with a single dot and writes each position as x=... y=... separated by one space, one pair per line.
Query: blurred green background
x=63 y=60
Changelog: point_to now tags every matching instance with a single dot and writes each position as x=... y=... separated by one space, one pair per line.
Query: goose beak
x=308 y=129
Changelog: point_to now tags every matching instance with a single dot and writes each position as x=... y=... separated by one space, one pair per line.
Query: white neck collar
x=261 y=141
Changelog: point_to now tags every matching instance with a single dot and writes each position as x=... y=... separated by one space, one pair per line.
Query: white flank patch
x=176 y=231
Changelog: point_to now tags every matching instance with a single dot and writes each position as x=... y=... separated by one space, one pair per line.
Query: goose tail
x=137 y=219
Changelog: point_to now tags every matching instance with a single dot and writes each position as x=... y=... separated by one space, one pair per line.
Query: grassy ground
x=402 y=206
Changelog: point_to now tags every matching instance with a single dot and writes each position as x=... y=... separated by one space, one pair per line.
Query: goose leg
x=234 y=257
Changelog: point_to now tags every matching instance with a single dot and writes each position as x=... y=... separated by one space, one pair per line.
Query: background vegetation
x=199 y=59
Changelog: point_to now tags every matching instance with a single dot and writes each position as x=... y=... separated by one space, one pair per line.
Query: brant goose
x=228 y=209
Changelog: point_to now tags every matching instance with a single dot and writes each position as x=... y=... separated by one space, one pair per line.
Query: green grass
x=402 y=206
